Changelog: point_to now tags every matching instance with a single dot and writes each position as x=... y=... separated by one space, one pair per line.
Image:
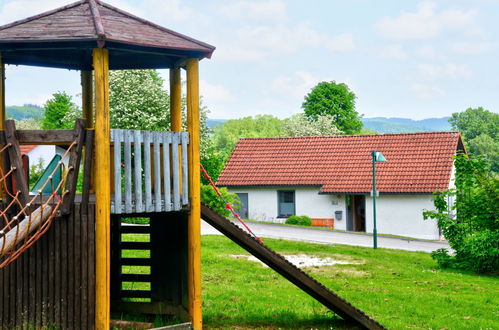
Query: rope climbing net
x=22 y=224
x=228 y=206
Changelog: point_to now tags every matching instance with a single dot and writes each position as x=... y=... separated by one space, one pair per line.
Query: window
x=286 y=203
x=243 y=212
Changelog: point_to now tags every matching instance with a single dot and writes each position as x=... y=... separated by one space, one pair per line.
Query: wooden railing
x=150 y=171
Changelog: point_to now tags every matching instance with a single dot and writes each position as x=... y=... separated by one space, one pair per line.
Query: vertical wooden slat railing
x=148 y=170
x=116 y=136
x=167 y=194
x=128 y=171
x=137 y=174
x=157 y=172
x=176 y=171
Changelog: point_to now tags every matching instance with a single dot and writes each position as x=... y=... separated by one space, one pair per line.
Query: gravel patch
x=300 y=260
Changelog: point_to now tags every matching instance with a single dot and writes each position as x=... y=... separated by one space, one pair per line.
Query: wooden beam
x=102 y=189
x=2 y=92
x=2 y=110
x=194 y=219
x=14 y=152
x=87 y=98
x=74 y=165
x=175 y=100
x=43 y=137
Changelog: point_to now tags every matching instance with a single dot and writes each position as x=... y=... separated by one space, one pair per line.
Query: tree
x=137 y=100
x=336 y=100
x=479 y=128
x=299 y=125
x=484 y=146
x=224 y=138
x=28 y=123
x=470 y=224
x=60 y=112
x=474 y=122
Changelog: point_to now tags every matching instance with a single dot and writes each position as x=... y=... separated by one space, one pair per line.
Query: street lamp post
x=376 y=157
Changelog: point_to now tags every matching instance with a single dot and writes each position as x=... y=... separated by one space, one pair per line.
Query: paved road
x=324 y=236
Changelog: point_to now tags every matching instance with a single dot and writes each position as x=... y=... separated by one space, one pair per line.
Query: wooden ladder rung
x=135 y=245
x=136 y=261
x=135 y=293
x=136 y=229
x=135 y=277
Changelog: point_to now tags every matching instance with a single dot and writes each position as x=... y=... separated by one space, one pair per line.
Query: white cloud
x=466 y=47
x=394 y=52
x=259 y=42
x=271 y=10
x=214 y=92
x=444 y=71
x=426 y=51
x=424 y=91
x=168 y=11
x=340 y=43
x=426 y=23
x=296 y=85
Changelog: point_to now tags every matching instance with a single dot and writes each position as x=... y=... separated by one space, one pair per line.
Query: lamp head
x=378 y=156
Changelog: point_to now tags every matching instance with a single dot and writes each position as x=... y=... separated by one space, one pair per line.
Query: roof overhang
x=65 y=38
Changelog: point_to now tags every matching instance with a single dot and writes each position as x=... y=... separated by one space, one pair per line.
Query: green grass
x=399 y=289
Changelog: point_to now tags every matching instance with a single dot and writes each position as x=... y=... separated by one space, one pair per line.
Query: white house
x=330 y=179
x=39 y=153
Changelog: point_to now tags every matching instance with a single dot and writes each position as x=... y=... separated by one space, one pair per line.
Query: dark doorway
x=243 y=212
x=356 y=217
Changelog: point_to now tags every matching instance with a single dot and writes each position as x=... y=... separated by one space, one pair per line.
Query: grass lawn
x=400 y=289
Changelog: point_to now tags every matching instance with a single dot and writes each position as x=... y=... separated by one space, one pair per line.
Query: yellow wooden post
x=102 y=189
x=175 y=100
x=176 y=111
x=87 y=105
x=87 y=97
x=194 y=221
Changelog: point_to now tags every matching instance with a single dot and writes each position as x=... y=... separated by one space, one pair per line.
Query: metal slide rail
x=150 y=171
x=292 y=273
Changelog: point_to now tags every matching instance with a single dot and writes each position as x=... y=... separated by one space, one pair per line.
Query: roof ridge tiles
x=99 y=27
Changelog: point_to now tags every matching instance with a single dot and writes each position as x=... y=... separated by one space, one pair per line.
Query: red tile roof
x=417 y=162
x=27 y=149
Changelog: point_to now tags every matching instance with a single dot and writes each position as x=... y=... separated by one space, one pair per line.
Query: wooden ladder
x=118 y=276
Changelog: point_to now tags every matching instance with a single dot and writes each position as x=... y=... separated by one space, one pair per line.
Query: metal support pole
x=375 y=238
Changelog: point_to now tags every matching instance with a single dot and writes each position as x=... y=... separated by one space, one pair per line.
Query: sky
x=411 y=59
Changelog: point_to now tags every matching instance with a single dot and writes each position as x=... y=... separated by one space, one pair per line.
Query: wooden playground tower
x=72 y=277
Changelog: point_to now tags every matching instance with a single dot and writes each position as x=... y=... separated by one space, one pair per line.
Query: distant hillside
x=18 y=112
x=387 y=125
x=214 y=122
x=405 y=125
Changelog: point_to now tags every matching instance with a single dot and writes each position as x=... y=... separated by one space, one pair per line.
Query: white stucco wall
x=41 y=152
x=396 y=214
x=402 y=215
x=262 y=203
